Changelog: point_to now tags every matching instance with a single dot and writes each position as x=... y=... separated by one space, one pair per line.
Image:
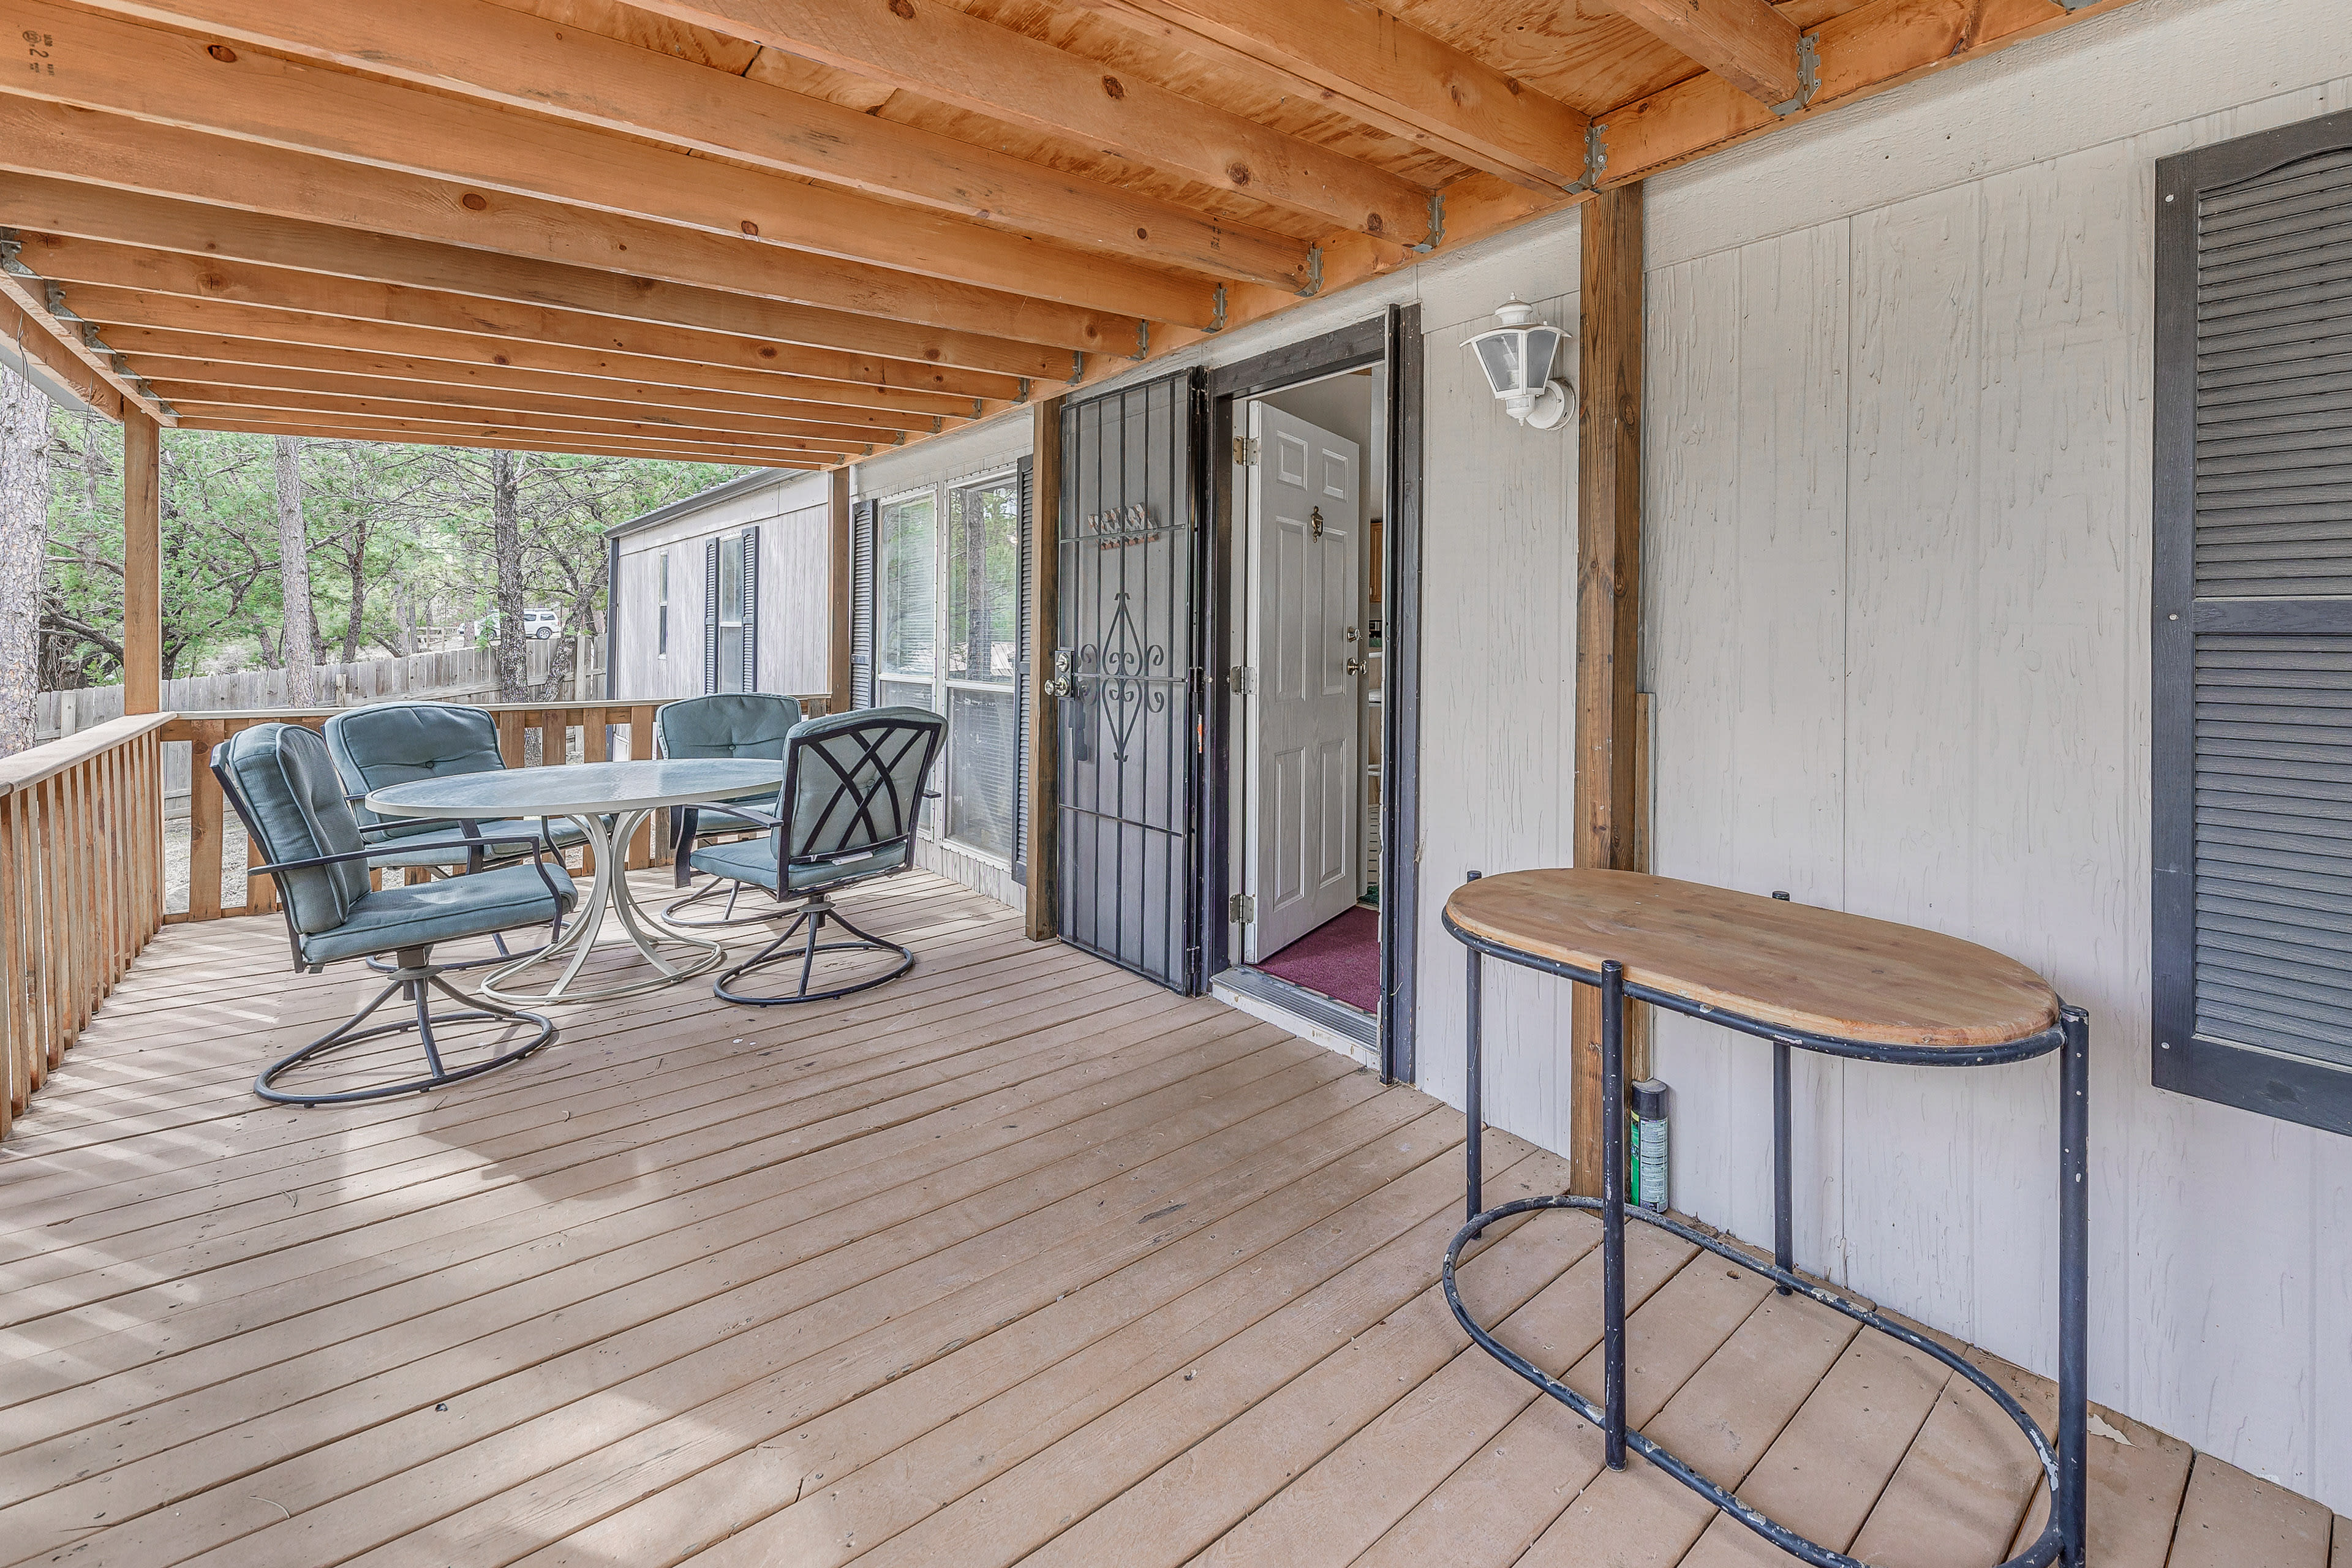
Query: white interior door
x=1301 y=754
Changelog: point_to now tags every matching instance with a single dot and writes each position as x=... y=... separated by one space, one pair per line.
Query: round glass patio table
x=609 y=800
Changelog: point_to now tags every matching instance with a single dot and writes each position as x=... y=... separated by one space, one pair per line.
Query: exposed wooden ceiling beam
x=489 y=52
x=718 y=364
x=329 y=428
x=221 y=253
x=1368 y=65
x=1745 y=42
x=155 y=352
x=273 y=387
x=942 y=53
x=195 y=398
x=25 y=333
x=58 y=341
x=245 y=307
x=849 y=248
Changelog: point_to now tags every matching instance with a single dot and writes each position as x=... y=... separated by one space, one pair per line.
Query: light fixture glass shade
x=1516 y=358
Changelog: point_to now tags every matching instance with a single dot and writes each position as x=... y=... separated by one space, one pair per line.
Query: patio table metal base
x=608 y=837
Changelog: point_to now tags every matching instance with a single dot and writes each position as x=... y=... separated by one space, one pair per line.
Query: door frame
x=1392 y=339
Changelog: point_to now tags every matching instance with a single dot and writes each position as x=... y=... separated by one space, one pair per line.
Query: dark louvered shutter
x=1025 y=680
x=710 y=616
x=861 y=605
x=751 y=609
x=2252 y=786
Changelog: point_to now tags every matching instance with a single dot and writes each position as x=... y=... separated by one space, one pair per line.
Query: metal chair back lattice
x=847 y=812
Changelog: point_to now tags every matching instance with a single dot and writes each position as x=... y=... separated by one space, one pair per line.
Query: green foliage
x=399 y=537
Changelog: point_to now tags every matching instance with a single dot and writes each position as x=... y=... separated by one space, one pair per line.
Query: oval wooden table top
x=1823 y=972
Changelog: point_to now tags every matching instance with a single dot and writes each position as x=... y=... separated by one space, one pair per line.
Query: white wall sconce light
x=1516 y=357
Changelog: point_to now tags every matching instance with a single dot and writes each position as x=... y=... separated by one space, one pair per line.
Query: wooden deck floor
x=1017 y=1259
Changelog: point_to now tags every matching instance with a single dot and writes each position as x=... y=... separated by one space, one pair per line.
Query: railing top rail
x=47 y=761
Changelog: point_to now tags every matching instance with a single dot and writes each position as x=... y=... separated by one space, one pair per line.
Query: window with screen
x=661 y=607
x=2252 y=791
x=982 y=629
x=906 y=631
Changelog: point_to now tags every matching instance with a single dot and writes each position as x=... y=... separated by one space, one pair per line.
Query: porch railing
x=81 y=887
x=82 y=854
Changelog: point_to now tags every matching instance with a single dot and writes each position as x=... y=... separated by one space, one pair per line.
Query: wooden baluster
x=15 y=1078
x=205 y=806
x=641 y=745
x=509 y=722
x=595 y=746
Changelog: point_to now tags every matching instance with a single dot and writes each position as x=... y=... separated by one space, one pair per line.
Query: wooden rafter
x=275 y=261
x=195 y=398
x=161 y=355
x=154 y=81
x=451 y=314
x=1745 y=42
x=1367 y=64
x=502 y=437
x=25 y=333
x=286 y=387
x=488 y=52
x=461 y=407
x=942 y=53
x=719 y=364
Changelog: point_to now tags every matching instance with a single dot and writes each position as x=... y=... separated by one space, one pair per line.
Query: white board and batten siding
x=977 y=452
x=793 y=515
x=1897 y=598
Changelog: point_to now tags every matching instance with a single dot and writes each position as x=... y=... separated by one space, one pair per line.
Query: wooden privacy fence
x=81 y=887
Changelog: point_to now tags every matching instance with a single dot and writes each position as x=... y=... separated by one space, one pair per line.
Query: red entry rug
x=1342 y=959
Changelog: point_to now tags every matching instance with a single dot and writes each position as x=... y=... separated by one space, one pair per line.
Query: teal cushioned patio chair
x=853 y=792
x=727 y=724
x=396 y=743
x=285 y=790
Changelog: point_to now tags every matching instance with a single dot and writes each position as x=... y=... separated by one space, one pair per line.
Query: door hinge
x=1241 y=909
x=1243 y=679
x=1244 y=451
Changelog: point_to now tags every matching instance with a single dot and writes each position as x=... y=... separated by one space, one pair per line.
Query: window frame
x=2270 y=1082
x=661 y=605
x=1007 y=478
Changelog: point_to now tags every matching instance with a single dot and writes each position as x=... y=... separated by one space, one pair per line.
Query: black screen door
x=1128 y=645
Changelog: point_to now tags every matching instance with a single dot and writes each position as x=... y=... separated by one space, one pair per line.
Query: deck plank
x=2229 y=1519
x=1018 y=1257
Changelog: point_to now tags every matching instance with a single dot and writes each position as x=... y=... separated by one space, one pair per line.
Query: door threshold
x=1309 y=1014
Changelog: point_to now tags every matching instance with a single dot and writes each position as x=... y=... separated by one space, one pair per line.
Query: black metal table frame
x=2062 y=1538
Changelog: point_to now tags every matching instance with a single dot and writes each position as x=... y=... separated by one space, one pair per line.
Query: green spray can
x=1645 y=1147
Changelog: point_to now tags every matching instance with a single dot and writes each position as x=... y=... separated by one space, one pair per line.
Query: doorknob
x=1355 y=665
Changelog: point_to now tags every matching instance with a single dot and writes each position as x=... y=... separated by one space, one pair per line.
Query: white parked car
x=537 y=623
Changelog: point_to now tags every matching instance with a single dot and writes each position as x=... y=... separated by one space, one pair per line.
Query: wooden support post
x=1608 y=608
x=143 y=564
x=1042 y=765
x=838 y=700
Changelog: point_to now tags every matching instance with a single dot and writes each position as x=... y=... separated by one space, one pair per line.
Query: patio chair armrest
x=756 y=817
x=369 y=854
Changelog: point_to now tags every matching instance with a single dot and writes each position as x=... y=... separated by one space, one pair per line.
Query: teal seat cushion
x=561 y=831
x=754 y=860
x=726 y=724
x=442 y=911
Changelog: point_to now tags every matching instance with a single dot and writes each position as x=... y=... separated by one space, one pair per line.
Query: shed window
x=661 y=609
x=2252 y=638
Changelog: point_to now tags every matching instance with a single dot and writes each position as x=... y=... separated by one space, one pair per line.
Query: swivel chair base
x=505 y=954
x=811 y=919
x=416 y=980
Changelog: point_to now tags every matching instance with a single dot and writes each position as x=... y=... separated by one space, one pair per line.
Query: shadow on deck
x=1018 y=1259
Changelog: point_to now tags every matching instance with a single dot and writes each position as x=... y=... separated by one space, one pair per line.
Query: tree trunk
x=301 y=641
x=506 y=551
x=351 y=629
x=24 y=533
